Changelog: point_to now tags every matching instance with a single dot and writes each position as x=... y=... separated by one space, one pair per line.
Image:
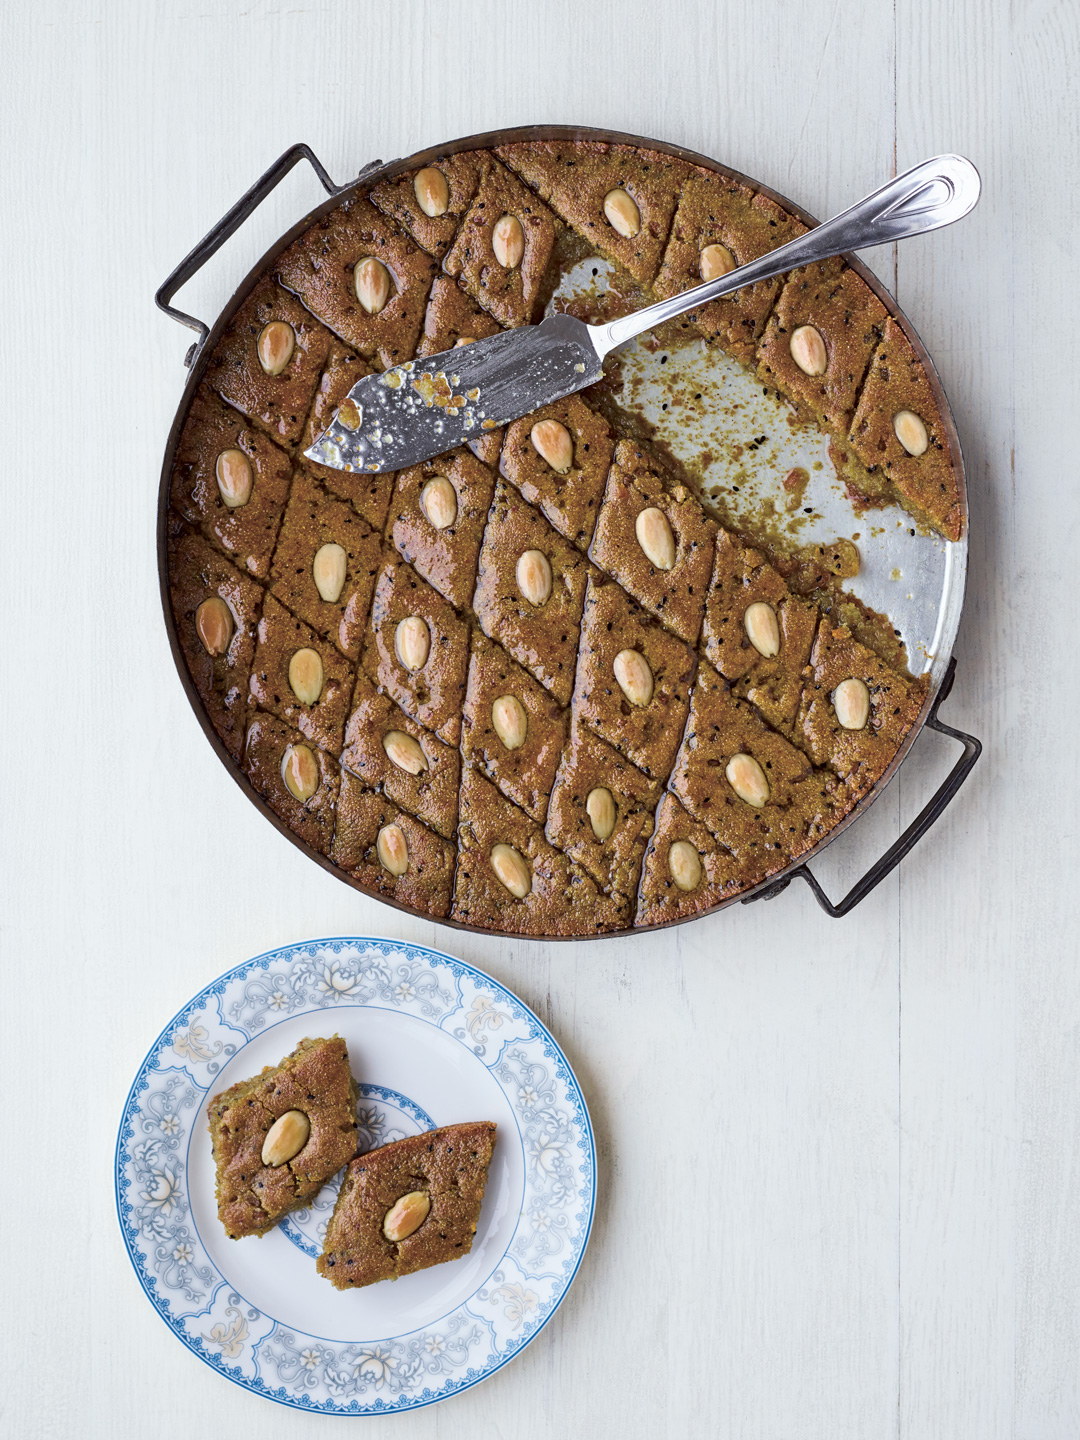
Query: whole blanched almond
x=412 y=641
x=406 y=1216
x=747 y=779
x=534 y=577
x=601 y=810
x=716 y=260
x=300 y=772
x=275 y=346
x=622 y=213
x=911 y=432
x=509 y=721
x=508 y=241
x=851 y=701
x=634 y=676
x=511 y=870
x=329 y=568
x=655 y=538
x=286 y=1137
x=808 y=350
x=684 y=865
x=553 y=442
x=214 y=625
x=438 y=500
x=762 y=628
x=235 y=478
x=393 y=850
x=372 y=282
x=431 y=191
x=404 y=751
x=306 y=676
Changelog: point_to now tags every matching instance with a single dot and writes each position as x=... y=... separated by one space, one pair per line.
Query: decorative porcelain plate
x=431 y=1042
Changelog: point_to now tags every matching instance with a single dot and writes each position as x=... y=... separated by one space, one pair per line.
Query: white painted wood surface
x=845 y=1203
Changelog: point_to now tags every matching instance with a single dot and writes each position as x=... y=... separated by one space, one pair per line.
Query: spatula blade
x=425 y=407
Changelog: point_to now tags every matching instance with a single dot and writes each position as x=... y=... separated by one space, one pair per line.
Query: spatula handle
x=931 y=195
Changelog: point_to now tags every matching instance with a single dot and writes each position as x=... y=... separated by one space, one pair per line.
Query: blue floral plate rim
x=349 y=1378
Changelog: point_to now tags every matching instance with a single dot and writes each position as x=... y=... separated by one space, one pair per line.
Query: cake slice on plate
x=409 y=1205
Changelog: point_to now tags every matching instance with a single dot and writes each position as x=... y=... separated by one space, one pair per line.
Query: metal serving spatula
x=425 y=407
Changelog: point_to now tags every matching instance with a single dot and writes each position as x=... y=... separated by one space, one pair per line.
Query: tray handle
x=229 y=223
x=926 y=817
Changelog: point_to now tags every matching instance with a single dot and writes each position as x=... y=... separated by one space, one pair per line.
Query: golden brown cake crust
x=315 y=1080
x=510 y=293
x=542 y=637
x=724 y=642
x=265 y=746
x=432 y=694
x=312 y=520
x=446 y=558
x=648 y=734
x=320 y=268
x=449 y=1166
x=849 y=318
x=569 y=501
x=716 y=210
x=197 y=572
x=574 y=176
x=926 y=484
x=431 y=794
x=280 y=636
x=562 y=898
x=676 y=597
x=362 y=815
x=524 y=773
x=278 y=403
x=246 y=533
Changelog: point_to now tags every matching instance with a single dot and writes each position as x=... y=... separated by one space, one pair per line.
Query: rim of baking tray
x=361 y=941
x=956 y=552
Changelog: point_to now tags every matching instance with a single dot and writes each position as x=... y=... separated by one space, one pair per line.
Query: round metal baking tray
x=935 y=568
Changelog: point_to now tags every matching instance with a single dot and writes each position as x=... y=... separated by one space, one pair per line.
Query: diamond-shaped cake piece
x=269 y=360
x=681 y=847
x=368 y=494
x=314 y=1088
x=422 y=777
x=576 y=176
x=437 y=529
x=569 y=500
x=320 y=715
x=847 y=316
x=715 y=210
x=501 y=695
x=315 y=529
x=550 y=895
x=925 y=481
x=218 y=644
x=512 y=292
x=273 y=749
x=433 y=691
x=861 y=755
x=442 y=1172
x=748 y=610
x=601 y=812
x=321 y=267
x=672 y=581
x=453 y=318
x=793 y=810
x=614 y=629
x=388 y=850
x=218 y=440
x=433 y=233
x=540 y=632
